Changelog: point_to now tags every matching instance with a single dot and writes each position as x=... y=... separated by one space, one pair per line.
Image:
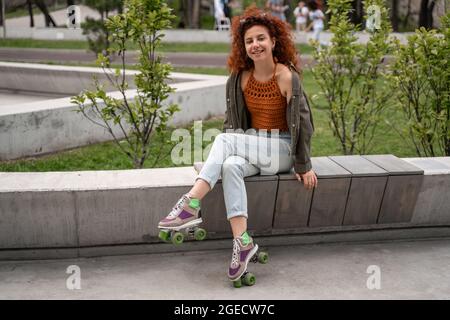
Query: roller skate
x=182 y=222
x=244 y=251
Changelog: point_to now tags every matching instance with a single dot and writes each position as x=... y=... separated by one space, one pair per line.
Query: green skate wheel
x=237 y=283
x=177 y=238
x=263 y=257
x=164 y=235
x=249 y=279
x=200 y=234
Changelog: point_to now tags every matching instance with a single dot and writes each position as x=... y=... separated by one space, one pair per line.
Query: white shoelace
x=236 y=251
x=177 y=208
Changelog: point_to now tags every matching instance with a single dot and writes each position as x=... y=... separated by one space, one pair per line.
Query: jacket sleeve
x=305 y=131
x=226 y=122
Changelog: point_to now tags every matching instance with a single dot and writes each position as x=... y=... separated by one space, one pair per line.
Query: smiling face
x=258 y=43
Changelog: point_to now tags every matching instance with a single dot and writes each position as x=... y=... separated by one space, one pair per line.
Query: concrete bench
x=71 y=214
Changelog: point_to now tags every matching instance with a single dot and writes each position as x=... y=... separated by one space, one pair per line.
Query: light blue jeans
x=239 y=155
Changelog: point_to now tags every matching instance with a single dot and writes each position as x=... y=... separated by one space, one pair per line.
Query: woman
x=301 y=13
x=317 y=17
x=263 y=93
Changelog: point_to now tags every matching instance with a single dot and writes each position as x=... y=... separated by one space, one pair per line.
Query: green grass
x=101 y=156
x=166 y=46
x=106 y=156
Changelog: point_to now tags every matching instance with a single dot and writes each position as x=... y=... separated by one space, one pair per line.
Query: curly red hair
x=284 y=51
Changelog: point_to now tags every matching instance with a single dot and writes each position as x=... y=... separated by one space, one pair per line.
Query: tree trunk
x=426 y=13
x=43 y=7
x=1 y=12
x=430 y=13
x=408 y=13
x=195 y=14
x=357 y=13
x=30 y=12
x=184 y=14
x=394 y=15
x=192 y=13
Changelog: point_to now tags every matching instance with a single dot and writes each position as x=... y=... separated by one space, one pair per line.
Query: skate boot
x=182 y=220
x=244 y=251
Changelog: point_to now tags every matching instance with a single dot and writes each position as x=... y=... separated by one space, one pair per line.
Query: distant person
x=316 y=16
x=219 y=12
x=301 y=13
x=222 y=14
x=227 y=8
x=277 y=8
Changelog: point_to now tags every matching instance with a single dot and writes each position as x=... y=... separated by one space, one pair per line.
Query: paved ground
x=408 y=270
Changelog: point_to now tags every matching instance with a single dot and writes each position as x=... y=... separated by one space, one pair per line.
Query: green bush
x=141 y=23
x=351 y=75
x=95 y=30
x=421 y=80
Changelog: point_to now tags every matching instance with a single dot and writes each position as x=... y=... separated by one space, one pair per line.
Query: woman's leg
x=238 y=226
x=234 y=170
x=260 y=151
x=199 y=189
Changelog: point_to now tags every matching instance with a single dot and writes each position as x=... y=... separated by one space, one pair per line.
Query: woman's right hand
x=309 y=179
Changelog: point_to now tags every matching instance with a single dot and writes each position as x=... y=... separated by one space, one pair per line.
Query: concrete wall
x=70 y=214
x=52 y=79
x=47 y=126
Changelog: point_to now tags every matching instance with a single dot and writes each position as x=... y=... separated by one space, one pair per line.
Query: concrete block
x=366 y=191
x=123 y=216
x=261 y=194
x=298 y=207
x=433 y=201
x=402 y=188
x=37 y=220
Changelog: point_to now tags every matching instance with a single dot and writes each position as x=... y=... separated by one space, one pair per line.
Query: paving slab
x=406 y=269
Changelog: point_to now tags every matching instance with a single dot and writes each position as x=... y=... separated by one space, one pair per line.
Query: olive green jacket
x=298 y=116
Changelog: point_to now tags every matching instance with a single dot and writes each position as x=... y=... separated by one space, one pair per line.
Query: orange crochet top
x=266 y=104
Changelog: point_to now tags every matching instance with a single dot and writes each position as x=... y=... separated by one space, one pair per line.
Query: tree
x=30 y=12
x=2 y=4
x=351 y=77
x=191 y=13
x=394 y=15
x=96 y=31
x=141 y=116
x=43 y=7
x=426 y=13
x=356 y=14
x=421 y=80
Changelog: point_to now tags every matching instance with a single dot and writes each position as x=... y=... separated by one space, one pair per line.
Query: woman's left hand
x=309 y=179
